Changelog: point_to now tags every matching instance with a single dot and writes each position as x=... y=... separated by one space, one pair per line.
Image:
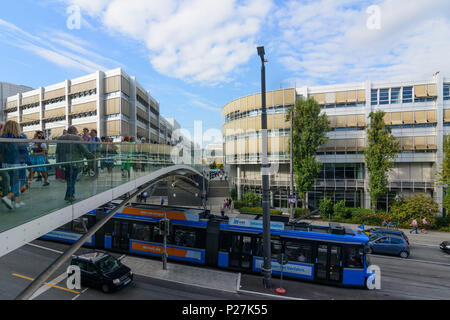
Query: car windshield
x=108 y=264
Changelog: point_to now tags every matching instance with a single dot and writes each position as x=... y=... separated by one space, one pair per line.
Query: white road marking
x=45 y=288
x=76 y=297
x=45 y=248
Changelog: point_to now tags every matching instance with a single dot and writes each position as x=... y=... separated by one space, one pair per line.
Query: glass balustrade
x=38 y=177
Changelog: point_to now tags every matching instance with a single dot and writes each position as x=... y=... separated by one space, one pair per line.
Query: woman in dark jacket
x=12 y=153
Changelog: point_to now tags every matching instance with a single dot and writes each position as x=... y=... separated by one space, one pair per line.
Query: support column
x=438 y=188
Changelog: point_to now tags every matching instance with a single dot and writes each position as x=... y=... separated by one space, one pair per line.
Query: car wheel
x=369 y=250
x=105 y=288
x=404 y=254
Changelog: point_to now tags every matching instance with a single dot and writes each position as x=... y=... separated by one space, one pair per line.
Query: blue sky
x=195 y=56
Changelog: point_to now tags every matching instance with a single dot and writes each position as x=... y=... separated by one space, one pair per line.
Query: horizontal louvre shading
x=112 y=128
x=396 y=118
x=81 y=87
x=361 y=96
x=30 y=100
x=432 y=90
x=269 y=101
x=361 y=120
x=319 y=97
x=90 y=126
x=125 y=107
x=387 y=118
x=141 y=113
x=341 y=121
x=125 y=86
x=420 y=143
x=351 y=96
x=341 y=97
x=278 y=98
x=407 y=143
x=56 y=132
x=126 y=128
x=330 y=98
x=289 y=97
x=11 y=105
x=352 y=120
x=84 y=107
x=112 y=84
x=54 y=94
x=431 y=143
x=431 y=116
x=408 y=117
x=30 y=134
x=30 y=117
x=55 y=113
x=112 y=106
x=446 y=115
x=420 y=91
x=420 y=117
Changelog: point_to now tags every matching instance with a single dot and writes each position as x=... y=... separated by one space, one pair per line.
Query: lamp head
x=261 y=52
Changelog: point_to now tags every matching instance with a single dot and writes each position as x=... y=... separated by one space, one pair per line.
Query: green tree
x=379 y=155
x=309 y=132
x=252 y=200
x=213 y=165
x=445 y=173
x=326 y=208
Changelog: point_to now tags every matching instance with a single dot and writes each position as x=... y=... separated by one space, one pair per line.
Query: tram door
x=241 y=252
x=328 y=263
x=121 y=235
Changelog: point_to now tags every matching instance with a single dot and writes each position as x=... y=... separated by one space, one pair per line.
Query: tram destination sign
x=255 y=223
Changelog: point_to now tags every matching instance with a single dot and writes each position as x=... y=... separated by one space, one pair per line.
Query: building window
x=395 y=96
x=384 y=96
x=374 y=97
x=446 y=91
x=407 y=94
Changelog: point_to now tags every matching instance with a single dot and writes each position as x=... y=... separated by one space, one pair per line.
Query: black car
x=445 y=246
x=394 y=232
x=101 y=270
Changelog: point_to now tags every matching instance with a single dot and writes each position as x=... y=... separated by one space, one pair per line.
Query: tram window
x=298 y=252
x=188 y=237
x=276 y=248
x=354 y=257
x=259 y=247
x=141 y=232
x=79 y=225
x=225 y=242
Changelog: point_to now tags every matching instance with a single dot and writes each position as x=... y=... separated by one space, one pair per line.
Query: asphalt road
x=27 y=262
x=425 y=275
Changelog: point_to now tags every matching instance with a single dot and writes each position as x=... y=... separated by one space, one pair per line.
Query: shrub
x=259 y=211
x=418 y=206
x=252 y=200
x=341 y=211
x=442 y=223
x=239 y=204
x=325 y=208
x=300 y=212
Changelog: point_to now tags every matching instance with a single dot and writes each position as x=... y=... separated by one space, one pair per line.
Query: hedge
x=259 y=210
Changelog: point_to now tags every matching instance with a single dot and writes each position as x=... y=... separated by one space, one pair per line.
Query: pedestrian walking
x=95 y=150
x=415 y=225
x=162 y=201
x=424 y=225
x=74 y=153
x=222 y=212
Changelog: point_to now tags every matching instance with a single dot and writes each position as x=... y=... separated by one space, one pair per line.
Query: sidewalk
x=185 y=274
x=430 y=238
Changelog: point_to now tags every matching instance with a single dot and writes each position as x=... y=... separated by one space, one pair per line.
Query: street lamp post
x=267 y=268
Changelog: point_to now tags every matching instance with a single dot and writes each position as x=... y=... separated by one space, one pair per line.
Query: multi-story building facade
x=8 y=90
x=111 y=102
x=417 y=110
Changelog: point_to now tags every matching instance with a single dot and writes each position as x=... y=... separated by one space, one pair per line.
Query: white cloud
x=194 y=40
x=328 y=41
x=60 y=48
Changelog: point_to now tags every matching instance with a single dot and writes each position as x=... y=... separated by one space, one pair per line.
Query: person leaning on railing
x=72 y=156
